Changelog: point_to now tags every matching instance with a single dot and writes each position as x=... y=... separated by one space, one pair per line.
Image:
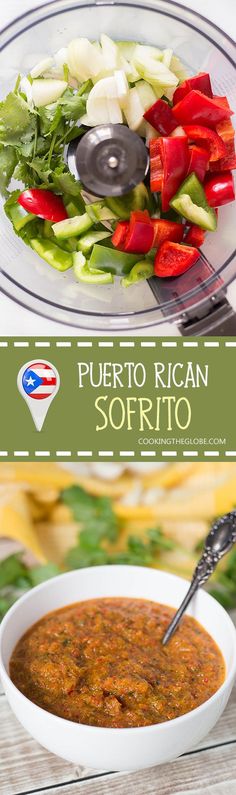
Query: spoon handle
x=219 y=541
x=178 y=615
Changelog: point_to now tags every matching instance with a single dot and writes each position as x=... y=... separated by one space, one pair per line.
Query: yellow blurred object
x=37 y=474
x=226 y=496
x=180 y=498
x=56 y=540
x=16 y=523
x=170 y=476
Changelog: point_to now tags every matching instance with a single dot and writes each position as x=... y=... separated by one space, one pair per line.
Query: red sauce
x=102 y=663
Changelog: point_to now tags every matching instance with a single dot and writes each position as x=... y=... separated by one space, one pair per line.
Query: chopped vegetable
x=56 y=257
x=173 y=259
x=219 y=189
x=200 y=82
x=200 y=109
x=142 y=270
x=112 y=260
x=189 y=132
x=161 y=117
x=44 y=204
x=226 y=131
x=174 y=156
x=44 y=91
x=86 y=242
x=195 y=236
x=206 y=137
x=224 y=164
x=198 y=162
x=136 y=199
x=140 y=235
x=166 y=230
x=89 y=275
x=156 y=167
x=120 y=234
x=190 y=201
x=72 y=226
x=19 y=216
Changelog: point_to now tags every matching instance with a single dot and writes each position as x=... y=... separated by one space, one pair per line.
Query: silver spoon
x=218 y=542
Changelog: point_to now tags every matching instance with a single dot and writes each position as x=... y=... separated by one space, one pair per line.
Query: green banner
x=120 y=399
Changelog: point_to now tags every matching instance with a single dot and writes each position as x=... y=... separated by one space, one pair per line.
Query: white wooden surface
x=27 y=769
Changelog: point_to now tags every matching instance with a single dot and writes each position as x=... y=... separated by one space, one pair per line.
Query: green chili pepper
x=190 y=201
x=89 y=275
x=55 y=256
x=142 y=270
x=112 y=260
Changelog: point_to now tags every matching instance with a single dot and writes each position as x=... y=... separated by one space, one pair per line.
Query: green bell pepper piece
x=86 y=242
x=55 y=256
x=72 y=227
x=67 y=245
x=98 y=211
x=190 y=201
x=47 y=229
x=136 y=199
x=89 y=275
x=112 y=260
x=142 y=270
x=19 y=216
x=74 y=206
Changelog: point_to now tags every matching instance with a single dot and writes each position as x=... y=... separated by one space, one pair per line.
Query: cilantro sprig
x=98 y=529
x=32 y=141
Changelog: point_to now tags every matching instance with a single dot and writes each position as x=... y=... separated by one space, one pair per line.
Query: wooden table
x=27 y=769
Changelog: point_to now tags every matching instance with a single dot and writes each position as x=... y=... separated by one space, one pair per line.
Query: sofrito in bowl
x=85 y=672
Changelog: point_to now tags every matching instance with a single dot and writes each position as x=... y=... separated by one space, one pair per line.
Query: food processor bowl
x=195 y=301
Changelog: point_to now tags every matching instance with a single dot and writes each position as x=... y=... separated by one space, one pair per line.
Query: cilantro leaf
x=11 y=569
x=72 y=105
x=39 y=574
x=8 y=162
x=16 y=121
x=94 y=513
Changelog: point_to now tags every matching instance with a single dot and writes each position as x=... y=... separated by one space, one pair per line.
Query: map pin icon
x=38 y=383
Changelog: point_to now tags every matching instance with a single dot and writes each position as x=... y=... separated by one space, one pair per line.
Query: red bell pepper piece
x=198 y=162
x=174 y=156
x=226 y=131
x=172 y=259
x=206 y=137
x=166 y=230
x=199 y=109
x=200 y=82
x=225 y=164
x=119 y=235
x=140 y=235
x=195 y=236
x=44 y=204
x=161 y=117
x=219 y=189
x=156 y=167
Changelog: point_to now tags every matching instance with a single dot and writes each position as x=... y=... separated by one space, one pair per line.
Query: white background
x=16 y=321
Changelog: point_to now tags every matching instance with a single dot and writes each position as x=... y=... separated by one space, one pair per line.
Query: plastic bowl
x=117 y=749
x=202 y=47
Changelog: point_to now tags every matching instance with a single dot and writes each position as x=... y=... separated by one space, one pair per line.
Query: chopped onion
x=46 y=91
x=41 y=67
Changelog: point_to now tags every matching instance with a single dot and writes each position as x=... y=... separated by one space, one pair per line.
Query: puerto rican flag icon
x=38 y=383
x=39 y=380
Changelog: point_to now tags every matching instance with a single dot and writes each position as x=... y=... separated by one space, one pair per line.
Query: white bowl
x=116 y=749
